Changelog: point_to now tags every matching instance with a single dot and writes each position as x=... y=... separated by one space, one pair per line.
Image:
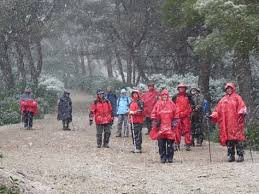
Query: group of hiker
x=167 y=118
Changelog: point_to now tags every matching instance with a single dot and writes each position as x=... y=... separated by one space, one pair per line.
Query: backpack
x=140 y=104
x=118 y=103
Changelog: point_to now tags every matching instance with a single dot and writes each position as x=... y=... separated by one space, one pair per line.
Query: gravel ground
x=50 y=160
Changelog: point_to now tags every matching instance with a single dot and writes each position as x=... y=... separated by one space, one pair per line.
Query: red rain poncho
x=29 y=105
x=229 y=114
x=164 y=112
x=184 y=111
x=136 y=106
x=101 y=109
x=149 y=98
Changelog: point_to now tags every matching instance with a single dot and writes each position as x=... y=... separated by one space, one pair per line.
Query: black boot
x=170 y=151
x=188 y=147
x=231 y=151
x=99 y=140
x=162 y=150
x=106 y=140
x=231 y=158
x=240 y=158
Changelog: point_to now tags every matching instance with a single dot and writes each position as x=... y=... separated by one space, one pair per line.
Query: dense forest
x=130 y=40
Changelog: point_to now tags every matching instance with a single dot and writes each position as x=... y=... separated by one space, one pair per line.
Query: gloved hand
x=112 y=121
x=208 y=116
x=174 y=123
x=132 y=112
x=155 y=123
x=90 y=122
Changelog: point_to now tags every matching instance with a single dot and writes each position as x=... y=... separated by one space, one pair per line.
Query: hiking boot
x=99 y=146
x=137 y=151
x=162 y=160
x=177 y=147
x=231 y=158
x=187 y=147
x=170 y=160
x=106 y=146
x=240 y=158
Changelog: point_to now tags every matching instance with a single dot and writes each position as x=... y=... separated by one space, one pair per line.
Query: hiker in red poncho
x=101 y=111
x=164 y=122
x=230 y=116
x=28 y=107
x=136 y=119
x=149 y=98
x=184 y=109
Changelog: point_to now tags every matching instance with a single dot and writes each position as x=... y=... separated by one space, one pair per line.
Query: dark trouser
x=136 y=131
x=148 y=122
x=123 y=119
x=232 y=144
x=106 y=128
x=66 y=123
x=166 y=149
x=197 y=131
x=28 y=119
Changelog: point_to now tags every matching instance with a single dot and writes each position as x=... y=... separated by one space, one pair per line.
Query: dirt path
x=49 y=160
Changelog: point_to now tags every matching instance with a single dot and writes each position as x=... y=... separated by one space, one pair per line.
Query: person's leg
x=148 y=124
x=99 y=134
x=231 y=150
x=162 y=150
x=67 y=124
x=119 y=126
x=138 y=136
x=187 y=133
x=64 y=124
x=30 y=120
x=107 y=134
x=170 y=150
x=125 y=124
x=25 y=119
x=240 y=151
x=178 y=135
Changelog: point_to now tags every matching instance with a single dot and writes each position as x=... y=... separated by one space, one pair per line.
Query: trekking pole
x=249 y=143
x=21 y=120
x=208 y=125
x=133 y=133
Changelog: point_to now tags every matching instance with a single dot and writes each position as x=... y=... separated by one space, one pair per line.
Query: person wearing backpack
x=184 y=104
x=65 y=110
x=123 y=103
x=101 y=111
x=136 y=119
x=197 y=117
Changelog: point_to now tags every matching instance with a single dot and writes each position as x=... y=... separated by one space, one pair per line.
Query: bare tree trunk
x=134 y=74
x=89 y=64
x=40 y=60
x=109 y=66
x=82 y=60
x=20 y=64
x=120 y=65
x=204 y=79
x=244 y=78
x=5 y=64
x=35 y=71
x=129 y=70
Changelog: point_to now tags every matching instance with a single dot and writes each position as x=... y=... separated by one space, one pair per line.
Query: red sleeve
x=154 y=112
x=93 y=108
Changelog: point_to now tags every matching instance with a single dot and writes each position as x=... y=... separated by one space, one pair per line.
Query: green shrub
x=252 y=135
